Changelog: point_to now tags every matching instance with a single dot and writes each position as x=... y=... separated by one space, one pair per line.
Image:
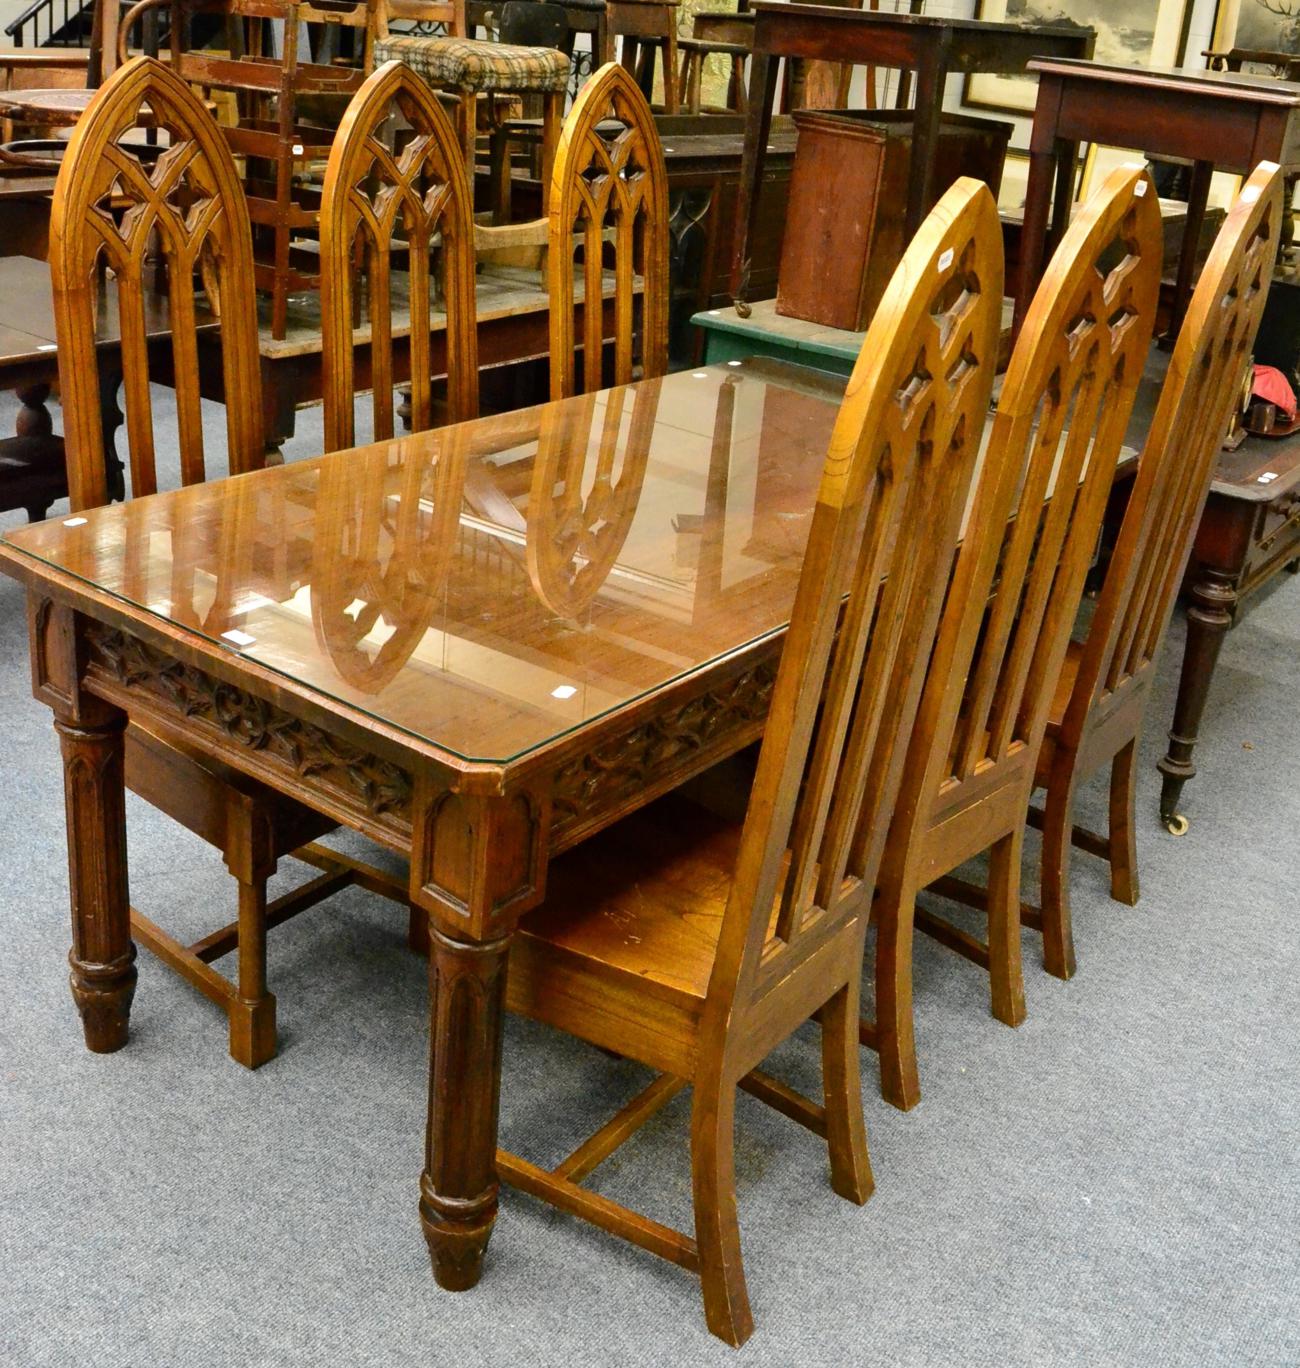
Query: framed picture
x=1129 y=33
x=1015 y=180
x=1272 y=27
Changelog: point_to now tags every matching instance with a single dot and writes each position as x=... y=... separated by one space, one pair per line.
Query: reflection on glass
x=489 y=587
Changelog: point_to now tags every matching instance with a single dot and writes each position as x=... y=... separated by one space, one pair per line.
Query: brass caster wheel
x=1177 y=826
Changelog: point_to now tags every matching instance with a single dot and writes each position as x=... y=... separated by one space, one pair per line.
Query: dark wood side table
x=33 y=473
x=932 y=47
x=1249 y=533
x=1224 y=119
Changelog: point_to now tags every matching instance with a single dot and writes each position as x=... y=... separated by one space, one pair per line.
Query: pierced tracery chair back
x=1051 y=458
x=1191 y=417
x=884 y=530
x=418 y=200
x=609 y=201
x=574 y=539
x=189 y=208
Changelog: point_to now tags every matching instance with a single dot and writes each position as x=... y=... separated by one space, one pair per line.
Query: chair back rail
x=448 y=12
x=375 y=197
x=189 y=208
x=1173 y=477
x=618 y=183
x=902 y=458
x=1050 y=460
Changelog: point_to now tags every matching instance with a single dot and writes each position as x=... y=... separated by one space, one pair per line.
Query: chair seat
x=473 y=65
x=643 y=899
x=711 y=47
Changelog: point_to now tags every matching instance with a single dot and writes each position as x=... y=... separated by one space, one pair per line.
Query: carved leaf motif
x=309 y=752
x=625 y=764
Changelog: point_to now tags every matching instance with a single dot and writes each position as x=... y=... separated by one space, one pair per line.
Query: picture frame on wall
x=1015 y=181
x=1129 y=32
x=1257 y=26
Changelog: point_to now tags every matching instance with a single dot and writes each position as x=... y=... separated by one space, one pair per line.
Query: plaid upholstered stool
x=470 y=67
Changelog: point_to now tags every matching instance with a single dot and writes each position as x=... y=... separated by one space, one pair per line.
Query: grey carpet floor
x=1117 y=1182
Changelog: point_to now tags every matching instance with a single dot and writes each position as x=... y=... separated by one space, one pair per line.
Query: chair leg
x=669 y=50
x=846 y=1131
x=739 y=96
x=552 y=122
x=900 y=1084
x=1008 y=982
x=1123 y=825
x=1058 y=937
x=717 y=1232
x=252 y=1012
x=467 y=131
x=499 y=164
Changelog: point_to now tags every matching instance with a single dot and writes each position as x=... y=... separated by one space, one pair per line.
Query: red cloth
x=1273 y=387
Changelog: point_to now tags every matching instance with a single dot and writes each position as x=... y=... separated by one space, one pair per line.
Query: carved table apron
x=479 y=836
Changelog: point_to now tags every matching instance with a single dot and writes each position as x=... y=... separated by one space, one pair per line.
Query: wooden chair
x=646 y=27
x=417 y=200
x=1099 y=704
x=470 y=67
x=696 y=945
x=526 y=23
x=609 y=199
x=1050 y=462
x=730 y=36
x=274 y=138
x=190 y=210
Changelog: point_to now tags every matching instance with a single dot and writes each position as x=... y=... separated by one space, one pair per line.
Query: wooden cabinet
x=848 y=197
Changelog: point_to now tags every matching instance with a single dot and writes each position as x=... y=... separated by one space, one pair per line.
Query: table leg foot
x=1210 y=614
x=103 y=994
x=457 y=1234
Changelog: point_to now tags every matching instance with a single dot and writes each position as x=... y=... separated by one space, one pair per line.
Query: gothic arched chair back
x=696 y=945
x=1101 y=700
x=609 y=202
x=382 y=198
x=185 y=220
x=1047 y=475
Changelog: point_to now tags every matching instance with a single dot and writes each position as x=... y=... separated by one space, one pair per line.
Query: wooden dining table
x=476 y=646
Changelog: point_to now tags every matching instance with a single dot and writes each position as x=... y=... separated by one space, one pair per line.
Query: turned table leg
x=103 y=956
x=478 y=863
x=458 y=1189
x=1214 y=601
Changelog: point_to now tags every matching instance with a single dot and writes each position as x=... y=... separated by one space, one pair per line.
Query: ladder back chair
x=609 y=200
x=647 y=28
x=189 y=207
x=1100 y=702
x=1047 y=473
x=287 y=106
x=694 y=944
x=382 y=199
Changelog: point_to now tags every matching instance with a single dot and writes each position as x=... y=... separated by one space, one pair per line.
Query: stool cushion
x=472 y=64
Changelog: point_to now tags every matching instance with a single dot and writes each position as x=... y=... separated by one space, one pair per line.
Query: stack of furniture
x=499 y=670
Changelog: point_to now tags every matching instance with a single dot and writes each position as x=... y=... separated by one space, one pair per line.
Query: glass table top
x=492 y=586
